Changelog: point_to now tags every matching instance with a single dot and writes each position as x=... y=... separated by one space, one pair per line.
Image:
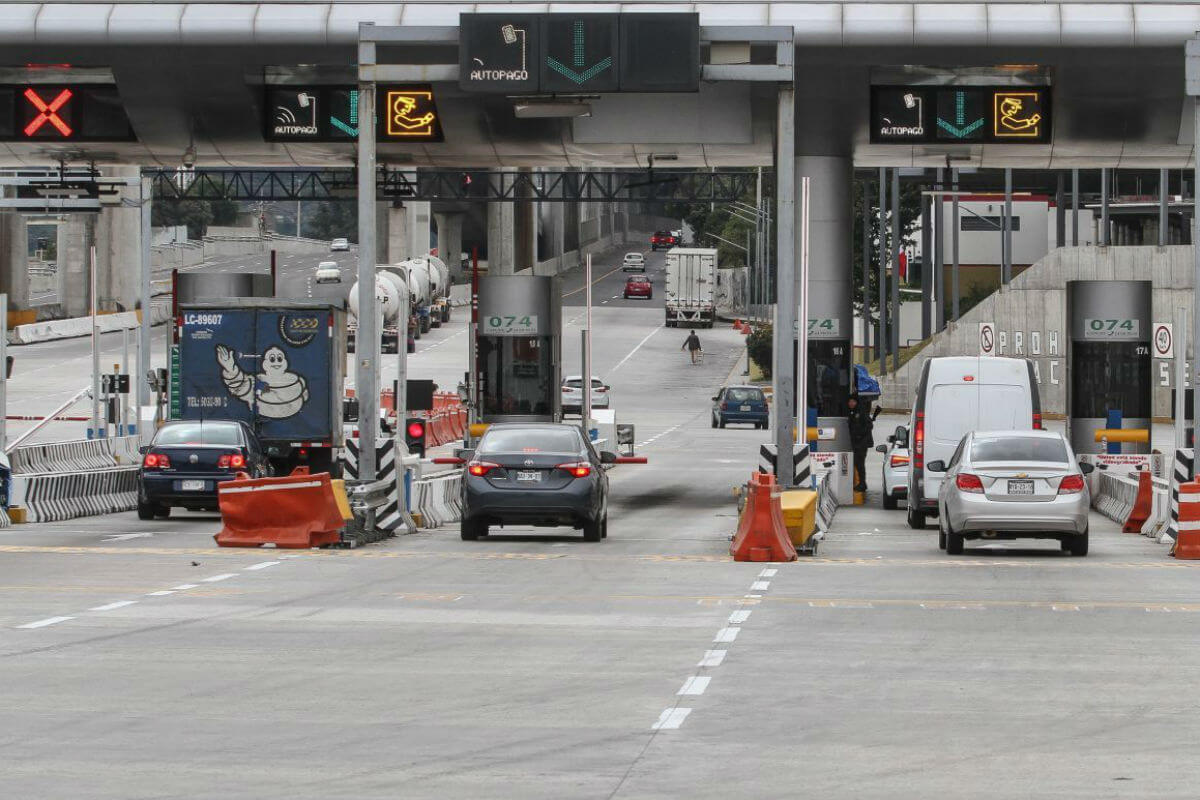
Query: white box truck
x=691 y=284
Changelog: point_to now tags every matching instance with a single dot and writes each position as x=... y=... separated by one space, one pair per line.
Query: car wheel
x=721 y=421
x=425 y=324
x=916 y=519
x=471 y=529
x=162 y=512
x=714 y=421
x=954 y=543
x=604 y=528
x=889 y=502
x=942 y=530
x=145 y=510
x=592 y=530
x=1079 y=544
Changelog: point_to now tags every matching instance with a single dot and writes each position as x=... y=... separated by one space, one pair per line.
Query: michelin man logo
x=278 y=394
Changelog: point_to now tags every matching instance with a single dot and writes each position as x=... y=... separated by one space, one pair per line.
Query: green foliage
x=331 y=220
x=910 y=211
x=759 y=346
x=197 y=215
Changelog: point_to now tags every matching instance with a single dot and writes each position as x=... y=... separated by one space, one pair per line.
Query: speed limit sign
x=1164 y=340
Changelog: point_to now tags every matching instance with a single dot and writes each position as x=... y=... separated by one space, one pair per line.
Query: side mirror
x=902 y=436
x=465 y=453
x=882 y=448
x=936 y=466
x=1087 y=469
x=891 y=439
x=716 y=397
x=607 y=457
x=144 y=449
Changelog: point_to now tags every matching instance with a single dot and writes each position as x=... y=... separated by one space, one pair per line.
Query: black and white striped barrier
x=390 y=516
x=827 y=501
x=53 y=497
x=74 y=456
x=801 y=463
x=438 y=499
x=1182 y=470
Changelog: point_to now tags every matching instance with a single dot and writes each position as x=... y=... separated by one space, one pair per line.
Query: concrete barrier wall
x=50 y=330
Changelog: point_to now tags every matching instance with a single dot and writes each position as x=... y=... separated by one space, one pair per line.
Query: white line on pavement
x=111 y=606
x=712 y=658
x=629 y=355
x=694 y=685
x=223 y=576
x=183 y=587
x=738 y=617
x=671 y=719
x=264 y=565
x=160 y=593
x=726 y=635
x=41 y=623
x=760 y=586
x=768 y=573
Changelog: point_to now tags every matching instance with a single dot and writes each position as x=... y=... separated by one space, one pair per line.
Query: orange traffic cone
x=761 y=534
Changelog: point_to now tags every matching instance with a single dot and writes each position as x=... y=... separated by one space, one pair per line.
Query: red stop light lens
x=416 y=430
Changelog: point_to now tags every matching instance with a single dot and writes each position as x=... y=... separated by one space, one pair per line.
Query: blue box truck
x=277 y=365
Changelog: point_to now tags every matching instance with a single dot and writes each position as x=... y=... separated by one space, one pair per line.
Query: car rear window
x=530 y=440
x=1019 y=448
x=738 y=395
x=199 y=433
x=635 y=279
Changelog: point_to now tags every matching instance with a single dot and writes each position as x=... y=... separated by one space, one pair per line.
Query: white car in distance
x=634 y=262
x=339 y=244
x=328 y=272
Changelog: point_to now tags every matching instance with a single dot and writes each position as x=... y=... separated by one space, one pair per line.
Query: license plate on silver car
x=1020 y=487
x=191 y=486
x=529 y=475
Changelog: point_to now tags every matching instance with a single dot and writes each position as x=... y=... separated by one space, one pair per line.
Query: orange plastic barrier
x=1143 y=506
x=1187 y=543
x=293 y=512
x=761 y=534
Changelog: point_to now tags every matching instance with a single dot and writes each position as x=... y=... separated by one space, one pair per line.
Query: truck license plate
x=1020 y=487
x=745 y=408
x=192 y=486
x=529 y=475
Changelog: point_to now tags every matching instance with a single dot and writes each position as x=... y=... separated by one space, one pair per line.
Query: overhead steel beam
x=629 y=186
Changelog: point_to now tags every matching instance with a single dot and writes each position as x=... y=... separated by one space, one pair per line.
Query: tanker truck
x=420 y=288
x=440 y=311
x=391 y=294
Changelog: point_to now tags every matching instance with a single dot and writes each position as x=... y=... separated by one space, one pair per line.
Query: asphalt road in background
x=139 y=661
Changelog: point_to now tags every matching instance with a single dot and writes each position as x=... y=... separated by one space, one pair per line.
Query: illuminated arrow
x=961 y=130
x=587 y=74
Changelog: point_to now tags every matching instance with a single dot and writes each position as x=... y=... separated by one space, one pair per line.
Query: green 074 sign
x=509 y=325
x=1098 y=328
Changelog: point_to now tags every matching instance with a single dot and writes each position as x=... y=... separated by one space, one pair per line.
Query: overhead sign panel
x=330 y=114
x=971 y=114
x=63 y=113
x=525 y=54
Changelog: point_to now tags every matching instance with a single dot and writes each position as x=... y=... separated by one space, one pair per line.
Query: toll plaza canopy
x=150 y=82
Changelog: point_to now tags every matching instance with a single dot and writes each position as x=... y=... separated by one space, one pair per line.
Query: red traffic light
x=416 y=429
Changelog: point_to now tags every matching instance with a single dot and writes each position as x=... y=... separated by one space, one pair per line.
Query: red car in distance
x=663 y=239
x=638 y=286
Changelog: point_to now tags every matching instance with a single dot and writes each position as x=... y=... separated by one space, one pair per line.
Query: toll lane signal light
x=414 y=436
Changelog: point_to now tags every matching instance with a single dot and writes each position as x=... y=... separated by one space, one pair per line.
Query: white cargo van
x=957 y=395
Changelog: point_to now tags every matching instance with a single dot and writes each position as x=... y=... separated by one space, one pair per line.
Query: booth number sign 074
x=510 y=325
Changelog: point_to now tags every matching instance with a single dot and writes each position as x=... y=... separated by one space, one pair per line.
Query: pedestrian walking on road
x=692 y=345
x=862 y=424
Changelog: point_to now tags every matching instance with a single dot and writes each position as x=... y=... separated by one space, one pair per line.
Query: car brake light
x=899 y=461
x=919 y=442
x=481 y=468
x=969 y=483
x=1072 y=484
x=1037 y=421
x=576 y=469
x=231 y=461
x=156 y=461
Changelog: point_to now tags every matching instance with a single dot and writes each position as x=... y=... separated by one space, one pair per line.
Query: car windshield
x=531 y=440
x=195 y=433
x=1019 y=448
x=743 y=395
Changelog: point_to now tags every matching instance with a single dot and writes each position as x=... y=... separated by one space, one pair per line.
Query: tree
x=197 y=215
x=332 y=220
x=910 y=212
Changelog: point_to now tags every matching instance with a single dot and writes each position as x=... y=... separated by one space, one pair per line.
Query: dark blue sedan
x=186 y=460
x=746 y=404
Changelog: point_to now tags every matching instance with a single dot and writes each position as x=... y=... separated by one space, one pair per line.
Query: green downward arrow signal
x=578 y=77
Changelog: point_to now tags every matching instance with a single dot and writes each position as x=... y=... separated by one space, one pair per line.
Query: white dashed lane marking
x=263 y=565
x=694 y=685
x=712 y=658
x=671 y=719
x=222 y=577
x=42 y=623
x=726 y=635
x=113 y=606
x=738 y=617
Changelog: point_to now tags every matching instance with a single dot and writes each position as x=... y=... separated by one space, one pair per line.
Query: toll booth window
x=1110 y=376
x=828 y=378
x=517 y=375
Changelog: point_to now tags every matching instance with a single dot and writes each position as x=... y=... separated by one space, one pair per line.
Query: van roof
x=981 y=368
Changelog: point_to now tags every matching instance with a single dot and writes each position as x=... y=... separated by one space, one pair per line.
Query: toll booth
x=830 y=362
x=519 y=349
x=1110 y=361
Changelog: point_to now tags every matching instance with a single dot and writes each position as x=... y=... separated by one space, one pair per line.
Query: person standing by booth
x=862 y=424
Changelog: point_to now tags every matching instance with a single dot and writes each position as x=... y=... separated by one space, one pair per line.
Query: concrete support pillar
x=419 y=240
x=552 y=220
x=119 y=248
x=14 y=260
x=525 y=232
x=75 y=237
x=449 y=231
x=501 y=239
x=392 y=233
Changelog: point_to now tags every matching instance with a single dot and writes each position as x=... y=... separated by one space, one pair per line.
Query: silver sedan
x=1013 y=485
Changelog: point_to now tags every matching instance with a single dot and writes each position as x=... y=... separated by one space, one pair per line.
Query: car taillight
x=1072 y=484
x=899 y=461
x=969 y=483
x=576 y=469
x=156 y=461
x=231 y=461
x=481 y=468
x=919 y=442
x=1037 y=421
